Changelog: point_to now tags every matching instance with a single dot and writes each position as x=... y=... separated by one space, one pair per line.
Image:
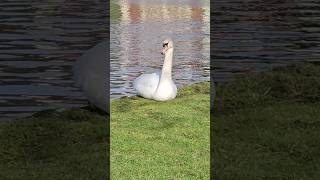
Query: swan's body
x=158 y=86
x=146 y=84
x=90 y=74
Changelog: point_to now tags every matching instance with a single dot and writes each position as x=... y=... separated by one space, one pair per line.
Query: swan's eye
x=165 y=44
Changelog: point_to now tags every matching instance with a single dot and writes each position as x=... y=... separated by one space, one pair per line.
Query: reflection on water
x=136 y=41
x=256 y=35
x=39 y=42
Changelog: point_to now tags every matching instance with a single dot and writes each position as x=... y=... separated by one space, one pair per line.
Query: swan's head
x=167 y=44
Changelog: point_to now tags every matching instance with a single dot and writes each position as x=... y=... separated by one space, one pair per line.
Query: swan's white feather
x=167 y=91
x=146 y=84
x=156 y=86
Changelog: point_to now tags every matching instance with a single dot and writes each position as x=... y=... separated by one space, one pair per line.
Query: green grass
x=115 y=13
x=65 y=145
x=161 y=140
x=267 y=126
x=150 y=139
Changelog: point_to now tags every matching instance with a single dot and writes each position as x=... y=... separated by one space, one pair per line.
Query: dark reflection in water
x=256 y=35
x=136 y=41
x=39 y=42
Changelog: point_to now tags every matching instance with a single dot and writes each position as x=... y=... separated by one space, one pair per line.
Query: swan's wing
x=90 y=74
x=146 y=84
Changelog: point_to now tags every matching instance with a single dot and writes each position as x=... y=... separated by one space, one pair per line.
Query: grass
x=115 y=13
x=264 y=126
x=72 y=144
x=267 y=126
x=161 y=140
x=149 y=139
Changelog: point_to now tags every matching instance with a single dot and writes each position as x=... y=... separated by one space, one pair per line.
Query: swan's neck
x=167 y=65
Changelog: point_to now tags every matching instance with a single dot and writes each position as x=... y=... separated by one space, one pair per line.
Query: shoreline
x=178 y=88
x=76 y=140
x=268 y=120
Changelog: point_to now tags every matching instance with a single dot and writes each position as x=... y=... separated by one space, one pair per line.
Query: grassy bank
x=149 y=140
x=267 y=126
x=55 y=145
x=161 y=140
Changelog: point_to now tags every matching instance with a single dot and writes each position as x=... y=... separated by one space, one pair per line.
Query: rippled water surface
x=137 y=36
x=256 y=35
x=39 y=42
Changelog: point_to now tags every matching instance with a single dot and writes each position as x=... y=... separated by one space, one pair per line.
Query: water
x=39 y=42
x=256 y=35
x=136 y=41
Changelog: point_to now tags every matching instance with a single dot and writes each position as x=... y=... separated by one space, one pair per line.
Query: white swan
x=158 y=86
x=90 y=74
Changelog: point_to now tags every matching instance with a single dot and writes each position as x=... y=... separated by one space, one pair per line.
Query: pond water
x=256 y=35
x=39 y=42
x=137 y=36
